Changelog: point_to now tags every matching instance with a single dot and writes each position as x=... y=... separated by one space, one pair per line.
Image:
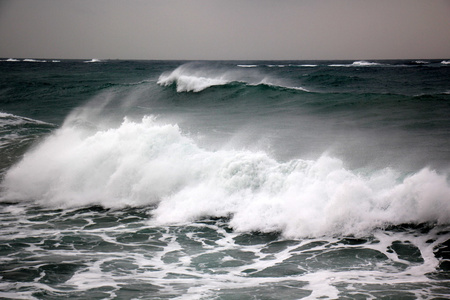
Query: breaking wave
x=147 y=163
x=196 y=78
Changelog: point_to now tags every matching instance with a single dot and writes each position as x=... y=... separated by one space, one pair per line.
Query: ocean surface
x=224 y=179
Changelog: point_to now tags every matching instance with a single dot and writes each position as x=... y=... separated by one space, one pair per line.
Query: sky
x=225 y=29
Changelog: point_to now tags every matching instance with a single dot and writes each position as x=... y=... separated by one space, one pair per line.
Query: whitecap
x=364 y=63
x=33 y=60
x=359 y=63
x=247 y=66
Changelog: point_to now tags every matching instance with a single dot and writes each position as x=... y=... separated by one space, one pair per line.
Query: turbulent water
x=224 y=180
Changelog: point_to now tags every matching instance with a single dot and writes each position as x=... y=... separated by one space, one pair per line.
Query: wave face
x=220 y=180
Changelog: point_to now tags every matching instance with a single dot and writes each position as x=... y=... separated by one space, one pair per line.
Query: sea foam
x=148 y=163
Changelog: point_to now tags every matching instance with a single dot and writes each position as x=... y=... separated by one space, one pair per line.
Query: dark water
x=225 y=180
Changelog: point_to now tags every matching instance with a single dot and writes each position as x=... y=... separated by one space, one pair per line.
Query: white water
x=148 y=163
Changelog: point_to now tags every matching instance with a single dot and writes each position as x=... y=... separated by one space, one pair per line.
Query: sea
x=128 y=179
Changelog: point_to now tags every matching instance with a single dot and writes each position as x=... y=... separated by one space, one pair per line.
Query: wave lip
x=94 y=60
x=445 y=62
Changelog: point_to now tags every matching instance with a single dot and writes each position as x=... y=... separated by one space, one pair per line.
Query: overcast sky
x=225 y=29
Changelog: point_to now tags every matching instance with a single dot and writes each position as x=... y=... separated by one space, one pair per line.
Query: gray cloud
x=233 y=29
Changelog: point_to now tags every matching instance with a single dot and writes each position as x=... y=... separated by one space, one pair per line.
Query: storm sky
x=225 y=29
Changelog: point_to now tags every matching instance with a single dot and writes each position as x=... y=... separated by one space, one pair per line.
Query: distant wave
x=30 y=60
x=33 y=60
x=279 y=66
x=445 y=62
x=247 y=66
x=192 y=78
x=94 y=60
x=360 y=63
x=145 y=163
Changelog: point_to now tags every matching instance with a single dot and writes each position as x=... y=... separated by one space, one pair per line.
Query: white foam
x=445 y=62
x=94 y=60
x=12 y=60
x=145 y=163
x=247 y=66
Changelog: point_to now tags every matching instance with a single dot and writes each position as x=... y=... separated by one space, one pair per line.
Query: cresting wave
x=193 y=77
x=150 y=164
